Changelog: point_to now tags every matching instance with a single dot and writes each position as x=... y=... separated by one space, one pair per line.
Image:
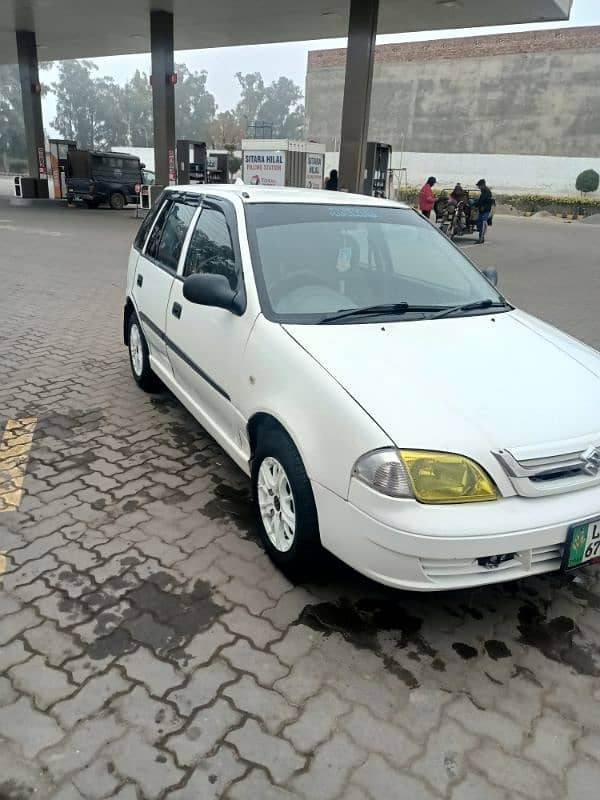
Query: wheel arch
x=264 y=421
x=127 y=312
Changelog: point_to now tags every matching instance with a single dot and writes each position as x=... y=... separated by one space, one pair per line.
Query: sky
x=289 y=59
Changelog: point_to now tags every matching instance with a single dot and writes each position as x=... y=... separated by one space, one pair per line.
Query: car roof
x=277 y=194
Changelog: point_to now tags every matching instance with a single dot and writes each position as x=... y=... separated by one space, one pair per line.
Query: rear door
x=156 y=270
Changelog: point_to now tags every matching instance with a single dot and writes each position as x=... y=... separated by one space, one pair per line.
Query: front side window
x=211 y=249
x=315 y=260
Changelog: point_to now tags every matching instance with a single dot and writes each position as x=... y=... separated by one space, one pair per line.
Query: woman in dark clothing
x=332 y=181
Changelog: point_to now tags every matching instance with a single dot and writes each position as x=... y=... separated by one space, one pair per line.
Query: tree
x=136 y=111
x=225 y=131
x=88 y=109
x=252 y=97
x=12 y=131
x=587 y=181
x=194 y=105
x=281 y=106
x=235 y=164
x=278 y=104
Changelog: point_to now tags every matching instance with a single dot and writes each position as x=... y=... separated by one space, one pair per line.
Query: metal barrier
x=30 y=188
x=148 y=195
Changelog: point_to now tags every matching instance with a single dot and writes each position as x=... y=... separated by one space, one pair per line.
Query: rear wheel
x=139 y=359
x=117 y=201
x=288 y=521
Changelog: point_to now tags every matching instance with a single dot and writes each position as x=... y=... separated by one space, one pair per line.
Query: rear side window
x=166 y=240
x=142 y=234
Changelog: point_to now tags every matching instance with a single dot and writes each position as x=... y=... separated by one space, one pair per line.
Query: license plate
x=583 y=544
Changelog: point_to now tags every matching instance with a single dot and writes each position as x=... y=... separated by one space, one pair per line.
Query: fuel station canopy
x=90 y=29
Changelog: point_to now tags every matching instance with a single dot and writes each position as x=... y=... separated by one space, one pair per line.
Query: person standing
x=484 y=204
x=426 y=198
x=332 y=181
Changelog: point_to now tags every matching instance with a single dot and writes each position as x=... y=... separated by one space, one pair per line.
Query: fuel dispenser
x=217 y=167
x=59 y=152
x=377 y=163
x=191 y=162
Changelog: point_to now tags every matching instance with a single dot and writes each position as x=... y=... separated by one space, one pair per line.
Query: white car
x=387 y=402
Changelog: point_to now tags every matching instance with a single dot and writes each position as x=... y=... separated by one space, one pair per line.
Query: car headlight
x=429 y=477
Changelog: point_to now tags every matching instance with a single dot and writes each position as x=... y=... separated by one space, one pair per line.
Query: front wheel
x=288 y=522
x=139 y=359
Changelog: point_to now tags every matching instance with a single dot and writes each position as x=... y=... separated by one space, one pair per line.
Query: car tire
x=287 y=514
x=139 y=358
x=117 y=201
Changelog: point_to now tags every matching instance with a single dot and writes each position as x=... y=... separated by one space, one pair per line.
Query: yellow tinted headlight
x=446 y=478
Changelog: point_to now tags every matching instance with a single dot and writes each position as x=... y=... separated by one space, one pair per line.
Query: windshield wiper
x=469 y=307
x=365 y=311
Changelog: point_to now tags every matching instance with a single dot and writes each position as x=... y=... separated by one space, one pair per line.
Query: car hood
x=500 y=381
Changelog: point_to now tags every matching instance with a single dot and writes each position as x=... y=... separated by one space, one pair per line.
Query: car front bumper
x=408 y=545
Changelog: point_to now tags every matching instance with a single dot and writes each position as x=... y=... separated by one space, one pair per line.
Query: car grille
x=452 y=572
x=552 y=474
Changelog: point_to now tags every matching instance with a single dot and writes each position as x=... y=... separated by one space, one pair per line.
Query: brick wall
x=549 y=41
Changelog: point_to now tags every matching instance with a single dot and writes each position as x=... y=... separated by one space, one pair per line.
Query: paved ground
x=148 y=648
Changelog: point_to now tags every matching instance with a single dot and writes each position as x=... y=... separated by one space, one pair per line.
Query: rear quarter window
x=146 y=225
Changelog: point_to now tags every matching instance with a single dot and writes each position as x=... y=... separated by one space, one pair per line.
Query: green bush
x=587 y=181
x=17 y=165
x=554 y=205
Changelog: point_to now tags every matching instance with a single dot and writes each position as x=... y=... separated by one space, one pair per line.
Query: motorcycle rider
x=484 y=203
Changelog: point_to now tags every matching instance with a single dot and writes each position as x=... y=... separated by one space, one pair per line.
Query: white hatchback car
x=387 y=402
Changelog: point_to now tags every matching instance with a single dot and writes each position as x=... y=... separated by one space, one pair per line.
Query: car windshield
x=313 y=260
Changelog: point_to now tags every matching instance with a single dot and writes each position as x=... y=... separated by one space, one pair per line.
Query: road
x=148 y=648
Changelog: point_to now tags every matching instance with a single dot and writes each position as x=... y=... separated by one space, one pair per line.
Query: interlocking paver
x=27 y=728
x=583 y=780
x=159 y=676
x=268 y=706
x=202 y=687
x=258 y=630
x=515 y=774
x=55 y=645
x=82 y=744
x=378 y=778
x=474 y=787
x=444 y=759
x=202 y=648
x=256 y=785
x=7 y=693
x=136 y=759
x=275 y=754
x=153 y=718
x=319 y=716
x=264 y=666
x=207 y=727
x=210 y=778
x=330 y=768
x=484 y=722
x=46 y=685
x=97 y=780
x=90 y=698
x=14 y=624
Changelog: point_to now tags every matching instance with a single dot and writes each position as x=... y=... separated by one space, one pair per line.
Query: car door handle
x=140 y=280
x=176 y=310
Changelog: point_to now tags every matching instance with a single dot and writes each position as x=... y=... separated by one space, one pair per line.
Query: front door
x=155 y=274
x=205 y=343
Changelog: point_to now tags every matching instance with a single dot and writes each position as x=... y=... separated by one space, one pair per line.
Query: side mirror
x=491 y=273
x=206 y=289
